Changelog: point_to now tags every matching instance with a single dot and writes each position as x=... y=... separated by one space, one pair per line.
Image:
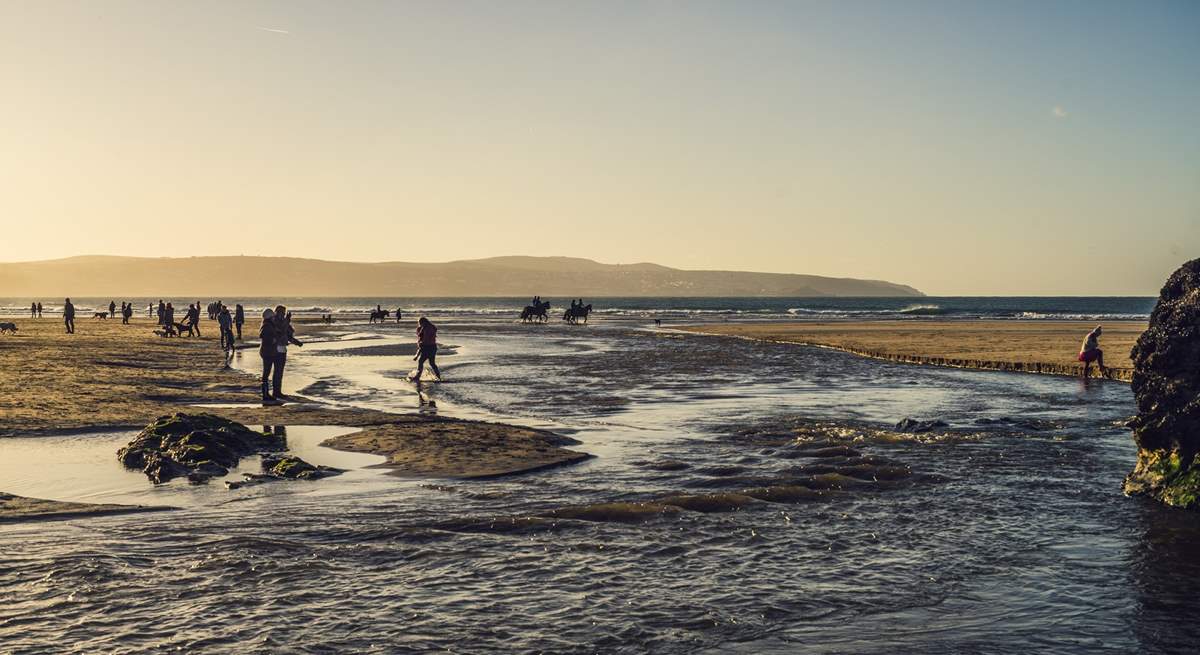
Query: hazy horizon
x=961 y=148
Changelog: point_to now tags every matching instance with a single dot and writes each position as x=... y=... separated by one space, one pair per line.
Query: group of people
x=35 y=310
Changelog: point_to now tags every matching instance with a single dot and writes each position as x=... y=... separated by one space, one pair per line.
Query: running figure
x=1090 y=352
x=426 y=348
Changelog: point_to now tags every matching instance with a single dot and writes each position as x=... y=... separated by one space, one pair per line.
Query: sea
x=743 y=497
x=963 y=307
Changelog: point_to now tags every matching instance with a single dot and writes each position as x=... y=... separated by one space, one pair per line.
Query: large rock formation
x=1166 y=384
x=200 y=446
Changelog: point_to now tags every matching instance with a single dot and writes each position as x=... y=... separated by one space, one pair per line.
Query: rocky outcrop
x=290 y=467
x=1166 y=385
x=199 y=446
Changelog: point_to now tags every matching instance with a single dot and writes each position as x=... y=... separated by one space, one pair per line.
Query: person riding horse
x=577 y=311
x=536 y=312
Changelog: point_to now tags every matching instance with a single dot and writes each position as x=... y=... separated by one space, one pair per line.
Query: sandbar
x=1045 y=347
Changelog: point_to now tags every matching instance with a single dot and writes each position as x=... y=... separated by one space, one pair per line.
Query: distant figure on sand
x=398 y=314
x=239 y=317
x=112 y=308
x=126 y=312
x=1090 y=352
x=33 y=310
x=39 y=310
x=426 y=348
x=69 y=316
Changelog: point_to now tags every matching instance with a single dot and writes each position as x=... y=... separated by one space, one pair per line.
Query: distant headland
x=496 y=276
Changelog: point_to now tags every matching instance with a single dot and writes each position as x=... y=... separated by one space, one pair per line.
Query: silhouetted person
x=168 y=317
x=33 y=310
x=426 y=348
x=275 y=335
x=69 y=316
x=1090 y=352
x=239 y=317
x=397 y=314
x=193 y=317
x=126 y=312
x=162 y=313
x=225 y=320
x=112 y=309
x=39 y=310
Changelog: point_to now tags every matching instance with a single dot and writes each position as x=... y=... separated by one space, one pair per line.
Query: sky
x=964 y=148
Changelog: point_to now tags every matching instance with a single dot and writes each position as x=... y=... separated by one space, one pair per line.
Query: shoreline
x=113 y=377
x=1041 y=348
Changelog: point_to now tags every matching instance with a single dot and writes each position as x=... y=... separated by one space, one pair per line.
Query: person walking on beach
x=162 y=312
x=39 y=309
x=112 y=309
x=397 y=314
x=1090 y=352
x=126 y=312
x=33 y=310
x=426 y=348
x=69 y=316
x=225 y=321
x=239 y=317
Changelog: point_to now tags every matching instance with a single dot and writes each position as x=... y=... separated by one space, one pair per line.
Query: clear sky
x=960 y=147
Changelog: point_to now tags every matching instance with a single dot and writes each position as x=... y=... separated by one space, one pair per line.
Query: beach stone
x=1166 y=386
x=914 y=426
x=199 y=446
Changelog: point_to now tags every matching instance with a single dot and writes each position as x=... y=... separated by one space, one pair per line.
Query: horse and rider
x=379 y=314
x=577 y=312
x=536 y=311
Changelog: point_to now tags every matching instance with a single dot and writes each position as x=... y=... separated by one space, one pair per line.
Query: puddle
x=84 y=468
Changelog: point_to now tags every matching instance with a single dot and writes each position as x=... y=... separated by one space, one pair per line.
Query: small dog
x=10 y=328
x=103 y=315
x=180 y=328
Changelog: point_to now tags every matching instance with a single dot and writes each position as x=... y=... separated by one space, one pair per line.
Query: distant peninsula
x=89 y=276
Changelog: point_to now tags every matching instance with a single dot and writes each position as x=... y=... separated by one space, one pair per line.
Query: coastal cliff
x=1166 y=385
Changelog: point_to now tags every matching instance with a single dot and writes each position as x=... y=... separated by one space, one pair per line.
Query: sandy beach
x=1045 y=347
x=110 y=376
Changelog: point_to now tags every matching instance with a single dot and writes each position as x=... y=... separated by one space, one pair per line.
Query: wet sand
x=110 y=376
x=1046 y=347
x=19 y=508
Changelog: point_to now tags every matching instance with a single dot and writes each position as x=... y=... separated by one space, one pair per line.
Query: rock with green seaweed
x=290 y=467
x=1166 y=385
x=198 y=446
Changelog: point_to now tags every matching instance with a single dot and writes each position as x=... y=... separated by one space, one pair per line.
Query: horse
x=379 y=315
x=573 y=314
x=536 y=312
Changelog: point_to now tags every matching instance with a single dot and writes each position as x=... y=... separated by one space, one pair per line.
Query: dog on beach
x=180 y=328
x=103 y=315
x=10 y=328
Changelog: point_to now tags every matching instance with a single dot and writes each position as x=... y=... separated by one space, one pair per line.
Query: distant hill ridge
x=102 y=275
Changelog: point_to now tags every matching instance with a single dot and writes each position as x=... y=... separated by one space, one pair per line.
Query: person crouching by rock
x=275 y=335
x=1090 y=352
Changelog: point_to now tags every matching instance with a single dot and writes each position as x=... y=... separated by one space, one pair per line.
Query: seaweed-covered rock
x=200 y=446
x=293 y=468
x=1166 y=385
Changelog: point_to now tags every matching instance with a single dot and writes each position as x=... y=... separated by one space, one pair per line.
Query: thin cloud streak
x=271 y=29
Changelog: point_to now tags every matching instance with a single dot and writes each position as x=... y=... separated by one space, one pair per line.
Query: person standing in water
x=1090 y=352
x=69 y=316
x=426 y=348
